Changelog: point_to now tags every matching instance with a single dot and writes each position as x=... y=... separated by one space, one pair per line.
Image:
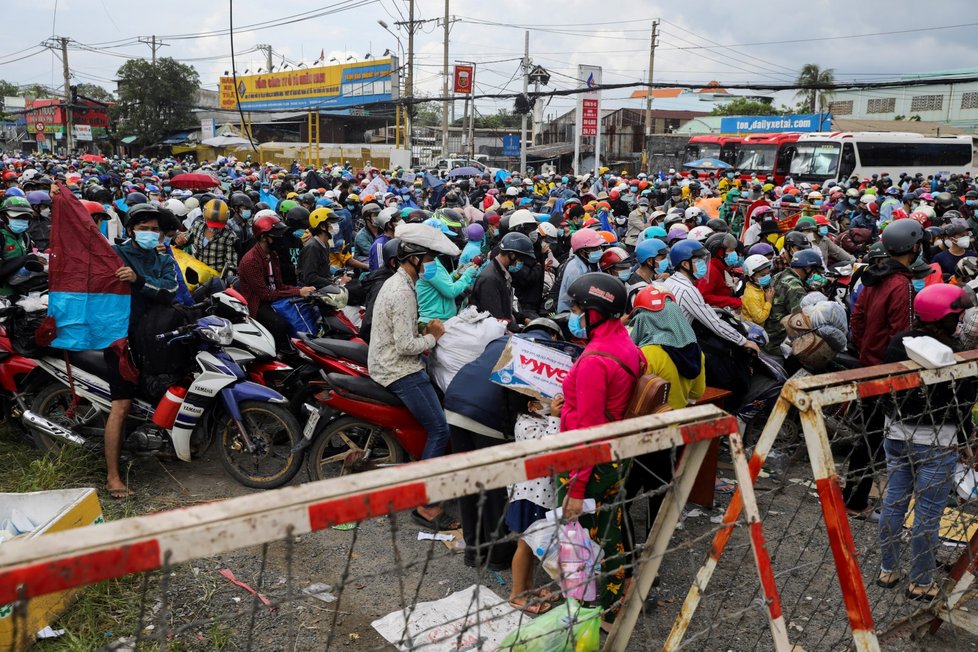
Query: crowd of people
x=650 y=274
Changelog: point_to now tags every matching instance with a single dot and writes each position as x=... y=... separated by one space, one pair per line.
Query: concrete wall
x=667 y=150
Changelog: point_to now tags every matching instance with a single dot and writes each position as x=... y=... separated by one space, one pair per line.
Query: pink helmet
x=586 y=239
x=937 y=301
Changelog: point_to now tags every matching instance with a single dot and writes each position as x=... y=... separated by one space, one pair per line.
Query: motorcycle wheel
x=275 y=433
x=53 y=402
x=350 y=445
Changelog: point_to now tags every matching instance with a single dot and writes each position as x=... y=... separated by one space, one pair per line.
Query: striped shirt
x=695 y=308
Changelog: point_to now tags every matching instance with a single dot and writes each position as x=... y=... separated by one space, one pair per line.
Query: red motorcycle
x=14 y=370
x=375 y=428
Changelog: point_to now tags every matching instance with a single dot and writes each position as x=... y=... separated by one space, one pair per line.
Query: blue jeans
x=419 y=396
x=926 y=473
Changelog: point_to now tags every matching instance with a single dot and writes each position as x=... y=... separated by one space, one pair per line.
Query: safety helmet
x=268 y=225
x=389 y=250
x=899 y=237
x=266 y=212
x=937 y=301
x=546 y=324
x=240 y=200
x=686 y=250
x=16 y=206
x=966 y=269
x=853 y=193
x=761 y=249
x=176 y=207
x=806 y=258
x=585 y=239
x=654 y=232
x=321 y=216
x=546 y=230
x=805 y=224
x=474 y=232
x=647 y=249
x=756 y=263
x=796 y=239
x=36 y=197
x=134 y=198
x=718 y=241
x=613 y=257
x=141 y=213
x=876 y=252
x=518 y=243
x=694 y=214
x=717 y=225
x=521 y=218
x=651 y=297
x=384 y=217
x=600 y=292
x=95 y=209
x=700 y=233
x=215 y=213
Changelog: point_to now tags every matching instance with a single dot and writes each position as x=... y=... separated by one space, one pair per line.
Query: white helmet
x=383 y=217
x=521 y=217
x=693 y=213
x=512 y=191
x=546 y=230
x=755 y=263
x=176 y=207
x=927 y=210
x=867 y=199
x=700 y=233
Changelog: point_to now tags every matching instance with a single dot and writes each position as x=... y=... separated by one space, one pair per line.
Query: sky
x=692 y=44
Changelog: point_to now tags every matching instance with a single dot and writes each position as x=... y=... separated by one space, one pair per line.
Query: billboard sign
x=82 y=132
x=464 y=80
x=325 y=87
x=767 y=124
x=511 y=145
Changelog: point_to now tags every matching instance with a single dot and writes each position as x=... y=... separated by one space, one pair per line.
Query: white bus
x=818 y=157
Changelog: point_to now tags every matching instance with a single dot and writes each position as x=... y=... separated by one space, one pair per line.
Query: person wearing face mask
x=925 y=430
x=758 y=293
x=617 y=262
x=586 y=247
x=314 y=260
x=637 y=221
x=212 y=242
x=689 y=261
x=40 y=226
x=17 y=246
x=493 y=289
x=240 y=208
x=438 y=289
x=717 y=286
x=789 y=288
x=831 y=252
x=652 y=258
x=957 y=238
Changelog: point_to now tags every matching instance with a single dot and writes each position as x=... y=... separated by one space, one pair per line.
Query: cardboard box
x=536 y=368
x=51 y=511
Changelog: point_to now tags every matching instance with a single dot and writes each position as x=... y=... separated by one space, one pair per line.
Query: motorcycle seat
x=91 y=361
x=364 y=388
x=352 y=351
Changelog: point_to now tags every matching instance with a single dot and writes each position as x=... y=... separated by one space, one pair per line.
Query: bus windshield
x=695 y=151
x=756 y=158
x=814 y=159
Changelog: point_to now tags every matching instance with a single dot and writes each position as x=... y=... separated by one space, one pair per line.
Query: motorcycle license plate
x=310 y=428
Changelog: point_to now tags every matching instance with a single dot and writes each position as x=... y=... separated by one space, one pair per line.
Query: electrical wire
x=26 y=56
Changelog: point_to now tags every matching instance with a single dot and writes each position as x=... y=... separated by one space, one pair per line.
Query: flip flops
x=441 y=522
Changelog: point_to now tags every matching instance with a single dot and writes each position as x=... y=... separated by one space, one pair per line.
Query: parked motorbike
x=14 y=371
x=255 y=430
x=321 y=356
x=359 y=425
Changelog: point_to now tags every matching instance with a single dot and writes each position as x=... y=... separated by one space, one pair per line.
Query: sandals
x=889 y=579
x=923 y=591
x=531 y=606
x=121 y=494
x=440 y=523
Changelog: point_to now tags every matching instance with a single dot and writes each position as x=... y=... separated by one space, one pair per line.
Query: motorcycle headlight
x=222 y=334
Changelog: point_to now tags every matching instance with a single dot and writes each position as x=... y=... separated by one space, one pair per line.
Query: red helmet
x=874 y=209
x=651 y=298
x=920 y=217
x=643 y=184
x=821 y=220
x=898 y=214
x=939 y=300
x=613 y=195
x=270 y=225
x=612 y=257
x=95 y=209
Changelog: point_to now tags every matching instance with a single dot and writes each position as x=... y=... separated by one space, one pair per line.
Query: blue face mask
x=298 y=232
x=823 y=231
x=662 y=266
x=560 y=232
x=517 y=267
x=764 y=281
x=731 y=259
x=699 y=268
x=972 y=202
x=18 y=225
x=575 y=324
x=246 y=215
x=429 y=271
x=624 y=276
x=918 y=284
x=594 y=257
x=816 y=281
x=147 y=239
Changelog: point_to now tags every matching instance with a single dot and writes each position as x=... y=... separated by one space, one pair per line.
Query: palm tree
x=810 y=75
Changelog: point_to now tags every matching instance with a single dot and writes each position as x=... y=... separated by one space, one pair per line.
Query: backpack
x=650 y=395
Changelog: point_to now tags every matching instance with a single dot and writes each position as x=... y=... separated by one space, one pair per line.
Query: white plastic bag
x=466 y=336
x=966 y=481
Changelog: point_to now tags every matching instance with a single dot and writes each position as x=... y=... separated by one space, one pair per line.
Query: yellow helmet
x=353 y=197
x=215 y=212
x=320 y=215
x=292 y=195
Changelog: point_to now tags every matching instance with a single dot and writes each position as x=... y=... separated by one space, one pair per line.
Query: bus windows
x=848 y=163
x=818 y=160
x=756 y=158
x=910 y=155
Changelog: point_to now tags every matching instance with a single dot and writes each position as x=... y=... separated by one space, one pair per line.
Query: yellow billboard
x=327 y=87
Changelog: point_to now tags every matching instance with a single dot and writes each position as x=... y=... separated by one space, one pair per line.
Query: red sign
x=463 y=79
x=589 y=117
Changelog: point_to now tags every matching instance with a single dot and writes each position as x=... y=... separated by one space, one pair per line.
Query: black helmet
x=255 y=197
x=389 y=250
x=900 y=236
x=601 y=292
x=717 y=225
x=798 y=239
x=952 y=214
x=297 y=217
x=134 y=198
x=140 y=213
x=240 y=200
x=875 y=252
x=719 y=241
x=944 y=198
x=407 y=249
x=542 y=323
x=306 y=198
x=769 y=226
x=515 y=242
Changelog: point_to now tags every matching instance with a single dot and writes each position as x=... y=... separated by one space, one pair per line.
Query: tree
x=95 y=92
x=9 y=89
x=503 y=119
x=745 y=106
x=812 y=75
x=427 y=114
x=38 y=92
x=155 y=100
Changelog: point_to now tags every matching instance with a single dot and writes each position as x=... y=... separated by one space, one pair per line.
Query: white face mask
x=811 y=236
x=964 y=242
x=642 y=209
x=334 y=229
x=45 y=212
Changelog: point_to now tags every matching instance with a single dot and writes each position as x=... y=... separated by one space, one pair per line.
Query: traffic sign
x=39 y=127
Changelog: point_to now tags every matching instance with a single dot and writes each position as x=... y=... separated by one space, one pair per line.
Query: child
x=475 y=234
x=756 y=302
x=528 y=502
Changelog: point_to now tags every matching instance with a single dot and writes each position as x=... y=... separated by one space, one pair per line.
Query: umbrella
x=225 y=141
x=93 y=158
x=193 y=181
x=707 y=164
x=465 y=172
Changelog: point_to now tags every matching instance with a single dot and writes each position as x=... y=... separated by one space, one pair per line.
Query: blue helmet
x=807 y=258
x=686 y=250
x=649 y=249
x=14 y=192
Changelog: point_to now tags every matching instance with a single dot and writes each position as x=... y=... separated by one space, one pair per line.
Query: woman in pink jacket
x=597 y=390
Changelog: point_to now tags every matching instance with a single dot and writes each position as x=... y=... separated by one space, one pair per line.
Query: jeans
x=926 y=473
x=419 y=396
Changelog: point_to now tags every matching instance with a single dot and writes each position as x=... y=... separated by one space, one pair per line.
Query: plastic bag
x=580 y=562
x=466 y=336
x=542 y=537
x=966 y=481
x=565 y=628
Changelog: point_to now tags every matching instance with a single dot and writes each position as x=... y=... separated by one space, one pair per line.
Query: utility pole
x=647 y=151
x=526 y=87
x=409 y=85
x=472 y=115
x=68 y=110
x=267 y=49
x=444 y=89
x=154 y=45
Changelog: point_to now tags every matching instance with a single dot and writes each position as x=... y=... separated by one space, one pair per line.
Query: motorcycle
x=359 y=425
x=322 y=356
x=257 y=433
x=14 y=371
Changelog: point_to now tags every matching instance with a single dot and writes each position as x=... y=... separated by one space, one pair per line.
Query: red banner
x=463 y=80
x=589 y=117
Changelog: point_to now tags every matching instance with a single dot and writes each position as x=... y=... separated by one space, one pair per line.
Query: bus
x=710 y=146
x=765 y=156
x=824 y=156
